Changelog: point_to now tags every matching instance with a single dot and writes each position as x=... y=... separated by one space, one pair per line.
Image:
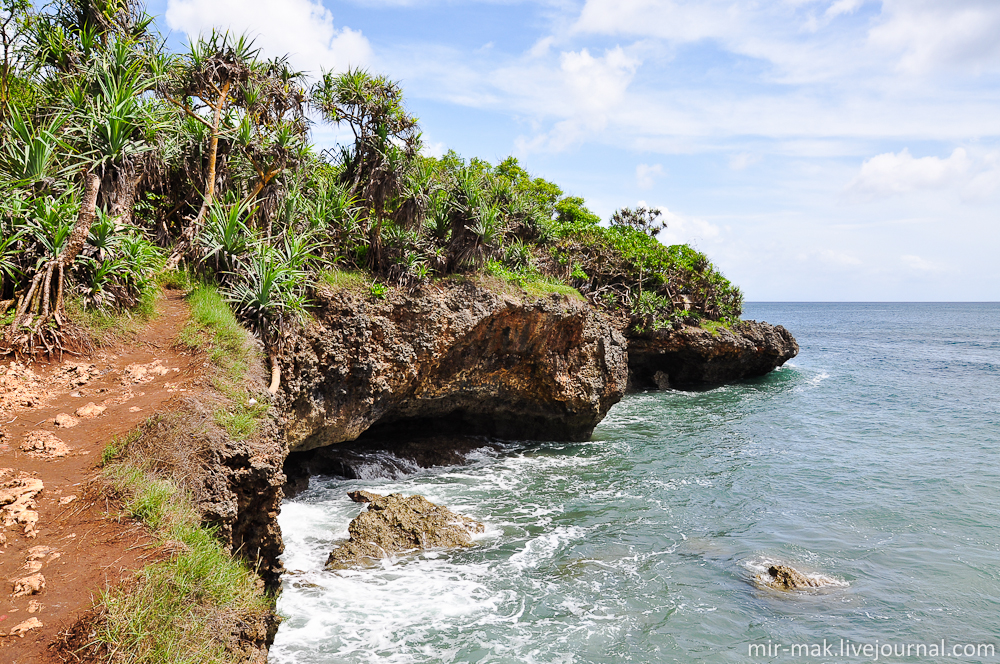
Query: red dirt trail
x=53 y=566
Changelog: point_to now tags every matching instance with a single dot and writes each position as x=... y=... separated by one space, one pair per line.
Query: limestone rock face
x=453 y=357
x=693 y=356
x=397 y=523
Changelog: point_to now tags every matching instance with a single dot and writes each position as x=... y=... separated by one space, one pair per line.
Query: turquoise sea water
x=872 y=458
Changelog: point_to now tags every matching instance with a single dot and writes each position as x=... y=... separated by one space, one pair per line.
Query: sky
x=816 y=150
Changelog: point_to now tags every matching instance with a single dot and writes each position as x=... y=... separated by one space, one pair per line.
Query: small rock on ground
x=44 y=445
x=23 y=628
x=66 y=421
x=90 y=410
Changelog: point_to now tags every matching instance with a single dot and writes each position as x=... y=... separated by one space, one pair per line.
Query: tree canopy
x=118 y=158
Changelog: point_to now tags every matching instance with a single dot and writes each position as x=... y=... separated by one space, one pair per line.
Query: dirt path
x=59 y=548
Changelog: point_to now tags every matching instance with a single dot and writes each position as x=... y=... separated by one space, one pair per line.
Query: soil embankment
x=75 y=547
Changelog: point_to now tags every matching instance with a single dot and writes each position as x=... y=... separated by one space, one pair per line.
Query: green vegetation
x=214 y=329
x=168 y=614
x=343 y=279
x=714 y=326
x=117 y=158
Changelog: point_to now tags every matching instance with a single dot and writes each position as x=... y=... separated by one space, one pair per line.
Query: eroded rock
x=75 y=374
x=44 y=445
x=453 y=358
x=23 y=628
x=143 y=373
x=90 y=410
x=783 y=577
x=396 y=523
x=17 y=502
x=693 y=356
x=66 y=421
x=20 y=387
x=29 y=585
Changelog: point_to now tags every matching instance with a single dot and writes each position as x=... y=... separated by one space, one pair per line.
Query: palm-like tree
x=377 y=168
x=207 y=78
x=105 y=131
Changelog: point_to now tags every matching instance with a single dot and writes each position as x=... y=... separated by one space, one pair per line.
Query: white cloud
x=645 y=175
x=919 y=264
x=986 y=183
x=303 y=29
x=935 y=34
x=585 y=90
x=843 y=7
x=741 y=161
x=838 y=258
x=433 y=149
x=686 y=230
x=898 y=173
x=829 y=260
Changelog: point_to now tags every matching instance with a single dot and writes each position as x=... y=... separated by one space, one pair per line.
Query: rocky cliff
x=452 y=357
x=695 y=357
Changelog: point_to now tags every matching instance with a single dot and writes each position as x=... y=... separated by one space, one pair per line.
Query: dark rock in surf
x=783 y=577
x=396 y=524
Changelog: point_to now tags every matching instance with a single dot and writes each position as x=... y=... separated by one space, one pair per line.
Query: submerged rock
x=784 y=577
x=396 y=524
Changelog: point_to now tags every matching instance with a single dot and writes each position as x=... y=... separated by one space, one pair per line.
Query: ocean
x=872 y=458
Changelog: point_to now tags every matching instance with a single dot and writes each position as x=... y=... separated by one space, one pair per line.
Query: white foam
x=545 y=546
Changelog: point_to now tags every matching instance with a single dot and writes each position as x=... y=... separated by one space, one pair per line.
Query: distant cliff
x=696 y=357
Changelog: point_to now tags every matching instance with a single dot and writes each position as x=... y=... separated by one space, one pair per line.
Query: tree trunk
x=120 y=193
x=88 y=210
x=39 y=298
x=186 y=240
x=213 y=152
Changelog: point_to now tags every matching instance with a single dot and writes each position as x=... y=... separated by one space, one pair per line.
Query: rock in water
x=788 y=578
x=397 y=523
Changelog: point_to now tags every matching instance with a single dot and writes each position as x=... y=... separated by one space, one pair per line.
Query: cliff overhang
x=452 y=357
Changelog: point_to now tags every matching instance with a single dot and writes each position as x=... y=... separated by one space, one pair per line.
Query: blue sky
x=814 y=149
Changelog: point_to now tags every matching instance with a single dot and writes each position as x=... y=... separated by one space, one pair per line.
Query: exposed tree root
x=40 y=323
x=275 y=374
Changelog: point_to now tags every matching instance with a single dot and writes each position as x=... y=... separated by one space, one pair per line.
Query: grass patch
x=177 y=610
x=177 y=280
x=343 y=279
x=714 y=326
x=114 y=450
x=531 y=281
x=543 y=287
x=213 y=328
x=241 y=419
x=105 y=326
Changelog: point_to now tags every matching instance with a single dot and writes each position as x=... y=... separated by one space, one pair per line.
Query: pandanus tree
x=203 y=84
x=271 y=136
x=377 y=167
x=16 y=21
x=68 y=39
x=106 y=129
